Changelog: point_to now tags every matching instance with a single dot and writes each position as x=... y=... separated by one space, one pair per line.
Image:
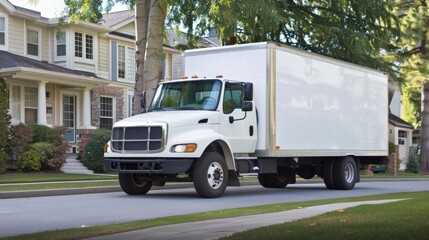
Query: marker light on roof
x=194 y=76
x=219 y=76
x=185 y=77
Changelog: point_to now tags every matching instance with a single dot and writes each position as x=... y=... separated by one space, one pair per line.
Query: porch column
x=87 y=108
x=41 y=108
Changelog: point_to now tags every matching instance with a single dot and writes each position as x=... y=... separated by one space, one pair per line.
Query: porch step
x=73 y=165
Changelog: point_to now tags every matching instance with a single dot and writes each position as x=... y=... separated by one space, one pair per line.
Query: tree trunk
x=424 y=154
x=154 y=47
x=142 y=20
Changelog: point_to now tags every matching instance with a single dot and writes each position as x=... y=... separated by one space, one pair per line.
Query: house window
x=30 y=105
x=61 y=44
x=81 y=40
x=121 y=61
x=32 y=42
x=402 y=137
x=89 y=46
x=78 y=44
x=3 y=31
x=106 y=112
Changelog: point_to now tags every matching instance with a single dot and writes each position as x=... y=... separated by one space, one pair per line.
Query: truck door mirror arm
x=246 y=107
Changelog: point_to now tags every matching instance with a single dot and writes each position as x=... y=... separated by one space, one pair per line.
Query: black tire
x=345 y=173
x=276 y=180
x=210 y=175
x=328 y=173
x=133 y=184
x=306 y=171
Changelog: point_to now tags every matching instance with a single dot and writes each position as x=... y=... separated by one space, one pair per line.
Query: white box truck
x=276 y=111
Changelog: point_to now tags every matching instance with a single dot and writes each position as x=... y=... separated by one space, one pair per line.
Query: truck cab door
x=238 y=126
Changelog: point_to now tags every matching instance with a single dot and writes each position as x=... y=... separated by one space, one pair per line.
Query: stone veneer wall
x=121 y=104
x=83 y=135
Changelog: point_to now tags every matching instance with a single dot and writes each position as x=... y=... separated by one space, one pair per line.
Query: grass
x=354 y=222
x=405 y=220
x=50 y=177
x=48 y=186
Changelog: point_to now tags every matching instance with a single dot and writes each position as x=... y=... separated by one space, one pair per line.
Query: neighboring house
x=83 y=79
x=400 y=132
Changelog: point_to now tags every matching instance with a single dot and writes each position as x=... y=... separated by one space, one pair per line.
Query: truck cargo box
x=308 y=104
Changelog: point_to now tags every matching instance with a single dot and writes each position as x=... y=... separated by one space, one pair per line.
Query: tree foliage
x=354 y=31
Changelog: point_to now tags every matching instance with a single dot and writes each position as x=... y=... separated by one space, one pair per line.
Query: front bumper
x=148 y=166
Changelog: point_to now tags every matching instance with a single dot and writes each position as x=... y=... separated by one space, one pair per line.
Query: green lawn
x=403 y=220
x=50 y=177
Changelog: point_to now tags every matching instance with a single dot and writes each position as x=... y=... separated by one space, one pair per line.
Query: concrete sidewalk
x=213 y=229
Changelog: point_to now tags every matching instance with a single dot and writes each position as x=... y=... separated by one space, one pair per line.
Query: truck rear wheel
x=275 y=180
x=345 y=173
x=210 y=175
x=133 y=184
x=328 y=173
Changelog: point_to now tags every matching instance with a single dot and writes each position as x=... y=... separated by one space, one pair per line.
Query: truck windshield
x=187 y=95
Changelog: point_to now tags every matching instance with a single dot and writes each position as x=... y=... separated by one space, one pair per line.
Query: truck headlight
x=184 y=148
x=107 y=147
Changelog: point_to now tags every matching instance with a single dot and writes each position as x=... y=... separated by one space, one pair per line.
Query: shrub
x=29 y=160
x=43 y=148
x=94 y=150
x=57 y=157
x=20 y=138
x=3 y=157
x=4 y=125
x=42 y=133
x=413 y=165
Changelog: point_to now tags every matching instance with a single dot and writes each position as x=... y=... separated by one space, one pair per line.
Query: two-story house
x=80 y=75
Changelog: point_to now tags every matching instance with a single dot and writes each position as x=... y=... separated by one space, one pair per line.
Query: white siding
x=103 y=58
x=16 y=35
x=127 y=29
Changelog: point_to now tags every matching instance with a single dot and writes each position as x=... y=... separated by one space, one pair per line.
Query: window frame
x=402 y=137
x=84 y=47
x=56 y=43
x=5 y=46
x=125 y=62
x=228 y=89
x=39 y=40
x=113 y=110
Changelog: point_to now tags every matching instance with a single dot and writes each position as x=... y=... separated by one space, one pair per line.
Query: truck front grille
x=149 y=138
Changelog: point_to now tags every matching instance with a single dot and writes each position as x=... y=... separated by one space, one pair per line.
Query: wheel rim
x=349 y=173
x=138 y=181
x=215 y=175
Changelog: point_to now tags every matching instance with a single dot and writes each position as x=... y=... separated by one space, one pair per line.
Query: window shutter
x=114 y=60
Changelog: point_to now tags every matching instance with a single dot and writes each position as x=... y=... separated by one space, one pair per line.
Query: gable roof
x=398 y=122
x=10 y=60
x=116 y=18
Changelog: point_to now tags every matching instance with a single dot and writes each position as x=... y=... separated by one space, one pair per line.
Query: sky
x=52 y=8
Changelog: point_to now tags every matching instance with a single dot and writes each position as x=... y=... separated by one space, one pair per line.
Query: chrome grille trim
x=147 y=138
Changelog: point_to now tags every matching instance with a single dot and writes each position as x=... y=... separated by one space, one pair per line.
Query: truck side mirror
x=248 y=91
x=143 y=101
x=247 y=106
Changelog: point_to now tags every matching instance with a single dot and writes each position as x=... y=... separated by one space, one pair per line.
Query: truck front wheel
x=133 y=184
x=345 y=173
x=210 y=175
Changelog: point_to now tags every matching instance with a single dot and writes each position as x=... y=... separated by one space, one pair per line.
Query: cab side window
x=232 y=98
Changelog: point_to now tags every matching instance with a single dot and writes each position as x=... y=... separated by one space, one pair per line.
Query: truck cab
x=193 y=130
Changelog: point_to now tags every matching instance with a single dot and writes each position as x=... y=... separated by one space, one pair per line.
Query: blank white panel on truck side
x=247 y=63
x=331 y=107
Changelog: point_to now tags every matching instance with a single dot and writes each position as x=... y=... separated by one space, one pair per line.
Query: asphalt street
x=35 y=214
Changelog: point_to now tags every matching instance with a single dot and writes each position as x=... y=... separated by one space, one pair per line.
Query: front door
x=69 y=117
x=241 y=131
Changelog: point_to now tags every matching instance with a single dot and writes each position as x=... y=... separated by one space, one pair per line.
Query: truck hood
x=172 y=118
